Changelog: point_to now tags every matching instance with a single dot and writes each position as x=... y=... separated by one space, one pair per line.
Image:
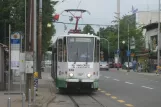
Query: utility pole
x=128 y=49
x=158 y=58
x=30 y=47
x=39 y=59
x=118 y=13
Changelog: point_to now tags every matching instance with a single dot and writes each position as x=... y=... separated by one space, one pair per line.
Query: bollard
x=29 y=99
x=34 y=94
x=23 y=100
x=9 y=102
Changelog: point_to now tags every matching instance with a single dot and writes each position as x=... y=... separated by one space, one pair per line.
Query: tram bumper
x=80 y=80
x=81 y=83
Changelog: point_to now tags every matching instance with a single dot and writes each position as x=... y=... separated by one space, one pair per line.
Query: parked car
x=117 y=65
x=125 y=65
x=111 y=65
x=104 y=65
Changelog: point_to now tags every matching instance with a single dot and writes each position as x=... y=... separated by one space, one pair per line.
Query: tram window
x=64 y=50
x=98 y=50
x=60 y=50
x=95 y=51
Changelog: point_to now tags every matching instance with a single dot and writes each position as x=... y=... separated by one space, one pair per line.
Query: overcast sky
x=102 y=11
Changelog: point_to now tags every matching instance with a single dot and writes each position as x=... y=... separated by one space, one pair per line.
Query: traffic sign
x=128 y=53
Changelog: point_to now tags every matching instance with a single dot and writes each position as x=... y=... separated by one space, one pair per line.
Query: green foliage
x=47 y=33
x=13 y=12
x=111 y=33
x=88 y=29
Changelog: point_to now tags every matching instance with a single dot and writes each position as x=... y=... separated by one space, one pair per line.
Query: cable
x=82 y=24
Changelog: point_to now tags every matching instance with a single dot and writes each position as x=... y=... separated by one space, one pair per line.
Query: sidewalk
x=142 y=73
x=45 y=94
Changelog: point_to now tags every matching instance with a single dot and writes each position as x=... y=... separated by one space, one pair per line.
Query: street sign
x=118 y=51
x=128 y=53
x=15 y=50
x=22 y=62
x=29 y=62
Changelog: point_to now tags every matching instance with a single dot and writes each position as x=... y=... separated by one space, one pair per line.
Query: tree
x=111 y=33
x=12 y=11
x=88 y=29
x=47 y=33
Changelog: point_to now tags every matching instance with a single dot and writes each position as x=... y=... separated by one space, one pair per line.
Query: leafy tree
x=13 y=12
x=88 y=29
x=47 y=33
x=111 y=33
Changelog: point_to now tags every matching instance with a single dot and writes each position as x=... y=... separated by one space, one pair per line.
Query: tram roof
x=74 y=35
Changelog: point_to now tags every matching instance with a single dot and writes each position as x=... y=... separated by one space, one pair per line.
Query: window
x=98 y=50
x=80 y=49
x=60 y=50
x=95 y=51
x=64 y=50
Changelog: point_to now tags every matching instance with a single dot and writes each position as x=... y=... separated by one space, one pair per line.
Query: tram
x=75 y=61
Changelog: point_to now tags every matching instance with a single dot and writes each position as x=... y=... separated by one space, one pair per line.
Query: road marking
x=108 y=94
x=99 y=89
x=147 y=87
x=107 y=77
x=116 y=79
x=129 y=105
x=156 y=81
x=129 y=83
x=102 y=91
x=121 y=101
x=113 y=97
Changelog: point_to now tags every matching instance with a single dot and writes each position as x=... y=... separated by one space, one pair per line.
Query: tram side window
x=60 y=50
x=64 y=50
x=95 y=51
x=98 y=50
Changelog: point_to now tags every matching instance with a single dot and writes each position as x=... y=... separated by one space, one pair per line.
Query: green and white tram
x=75 y=61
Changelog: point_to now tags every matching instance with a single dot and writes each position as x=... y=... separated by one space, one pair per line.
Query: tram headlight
x=89 y=75
x=71 y=74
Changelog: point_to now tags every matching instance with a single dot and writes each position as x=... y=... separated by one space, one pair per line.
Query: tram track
x=97 y=101
x=76 y=104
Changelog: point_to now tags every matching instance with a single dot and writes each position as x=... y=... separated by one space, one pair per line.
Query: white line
x=147 y=87
x=107 y=77
x=129 y=83
x=156 y=81
x=116 y=79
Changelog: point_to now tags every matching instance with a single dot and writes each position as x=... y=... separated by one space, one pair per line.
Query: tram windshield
x=80 y=49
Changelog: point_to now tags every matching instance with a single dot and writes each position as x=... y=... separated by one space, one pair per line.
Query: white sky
x=102 y=11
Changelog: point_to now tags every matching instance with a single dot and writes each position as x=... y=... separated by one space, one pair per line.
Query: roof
x=73 y=35
x=151 y=26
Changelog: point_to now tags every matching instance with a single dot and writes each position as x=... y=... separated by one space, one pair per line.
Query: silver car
x=125 y=65
x=104 y=65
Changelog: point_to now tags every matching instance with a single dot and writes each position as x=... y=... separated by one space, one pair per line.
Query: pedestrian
x=134 y=65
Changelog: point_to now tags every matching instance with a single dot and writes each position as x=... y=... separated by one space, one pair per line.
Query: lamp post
x=128 y=49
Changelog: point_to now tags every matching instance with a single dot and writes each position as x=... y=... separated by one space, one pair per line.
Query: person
x=134 y=65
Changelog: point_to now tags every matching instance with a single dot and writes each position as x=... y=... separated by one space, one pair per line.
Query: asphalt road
x=117 y=89
x=135 y=89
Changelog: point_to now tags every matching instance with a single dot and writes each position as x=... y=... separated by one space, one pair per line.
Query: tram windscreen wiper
x=76 y=56
x=87 y=56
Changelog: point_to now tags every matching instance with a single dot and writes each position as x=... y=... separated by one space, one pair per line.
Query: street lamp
x=49 y=25
x=123 y=42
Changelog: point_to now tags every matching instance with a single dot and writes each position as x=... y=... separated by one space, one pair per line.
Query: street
x=117 y=89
